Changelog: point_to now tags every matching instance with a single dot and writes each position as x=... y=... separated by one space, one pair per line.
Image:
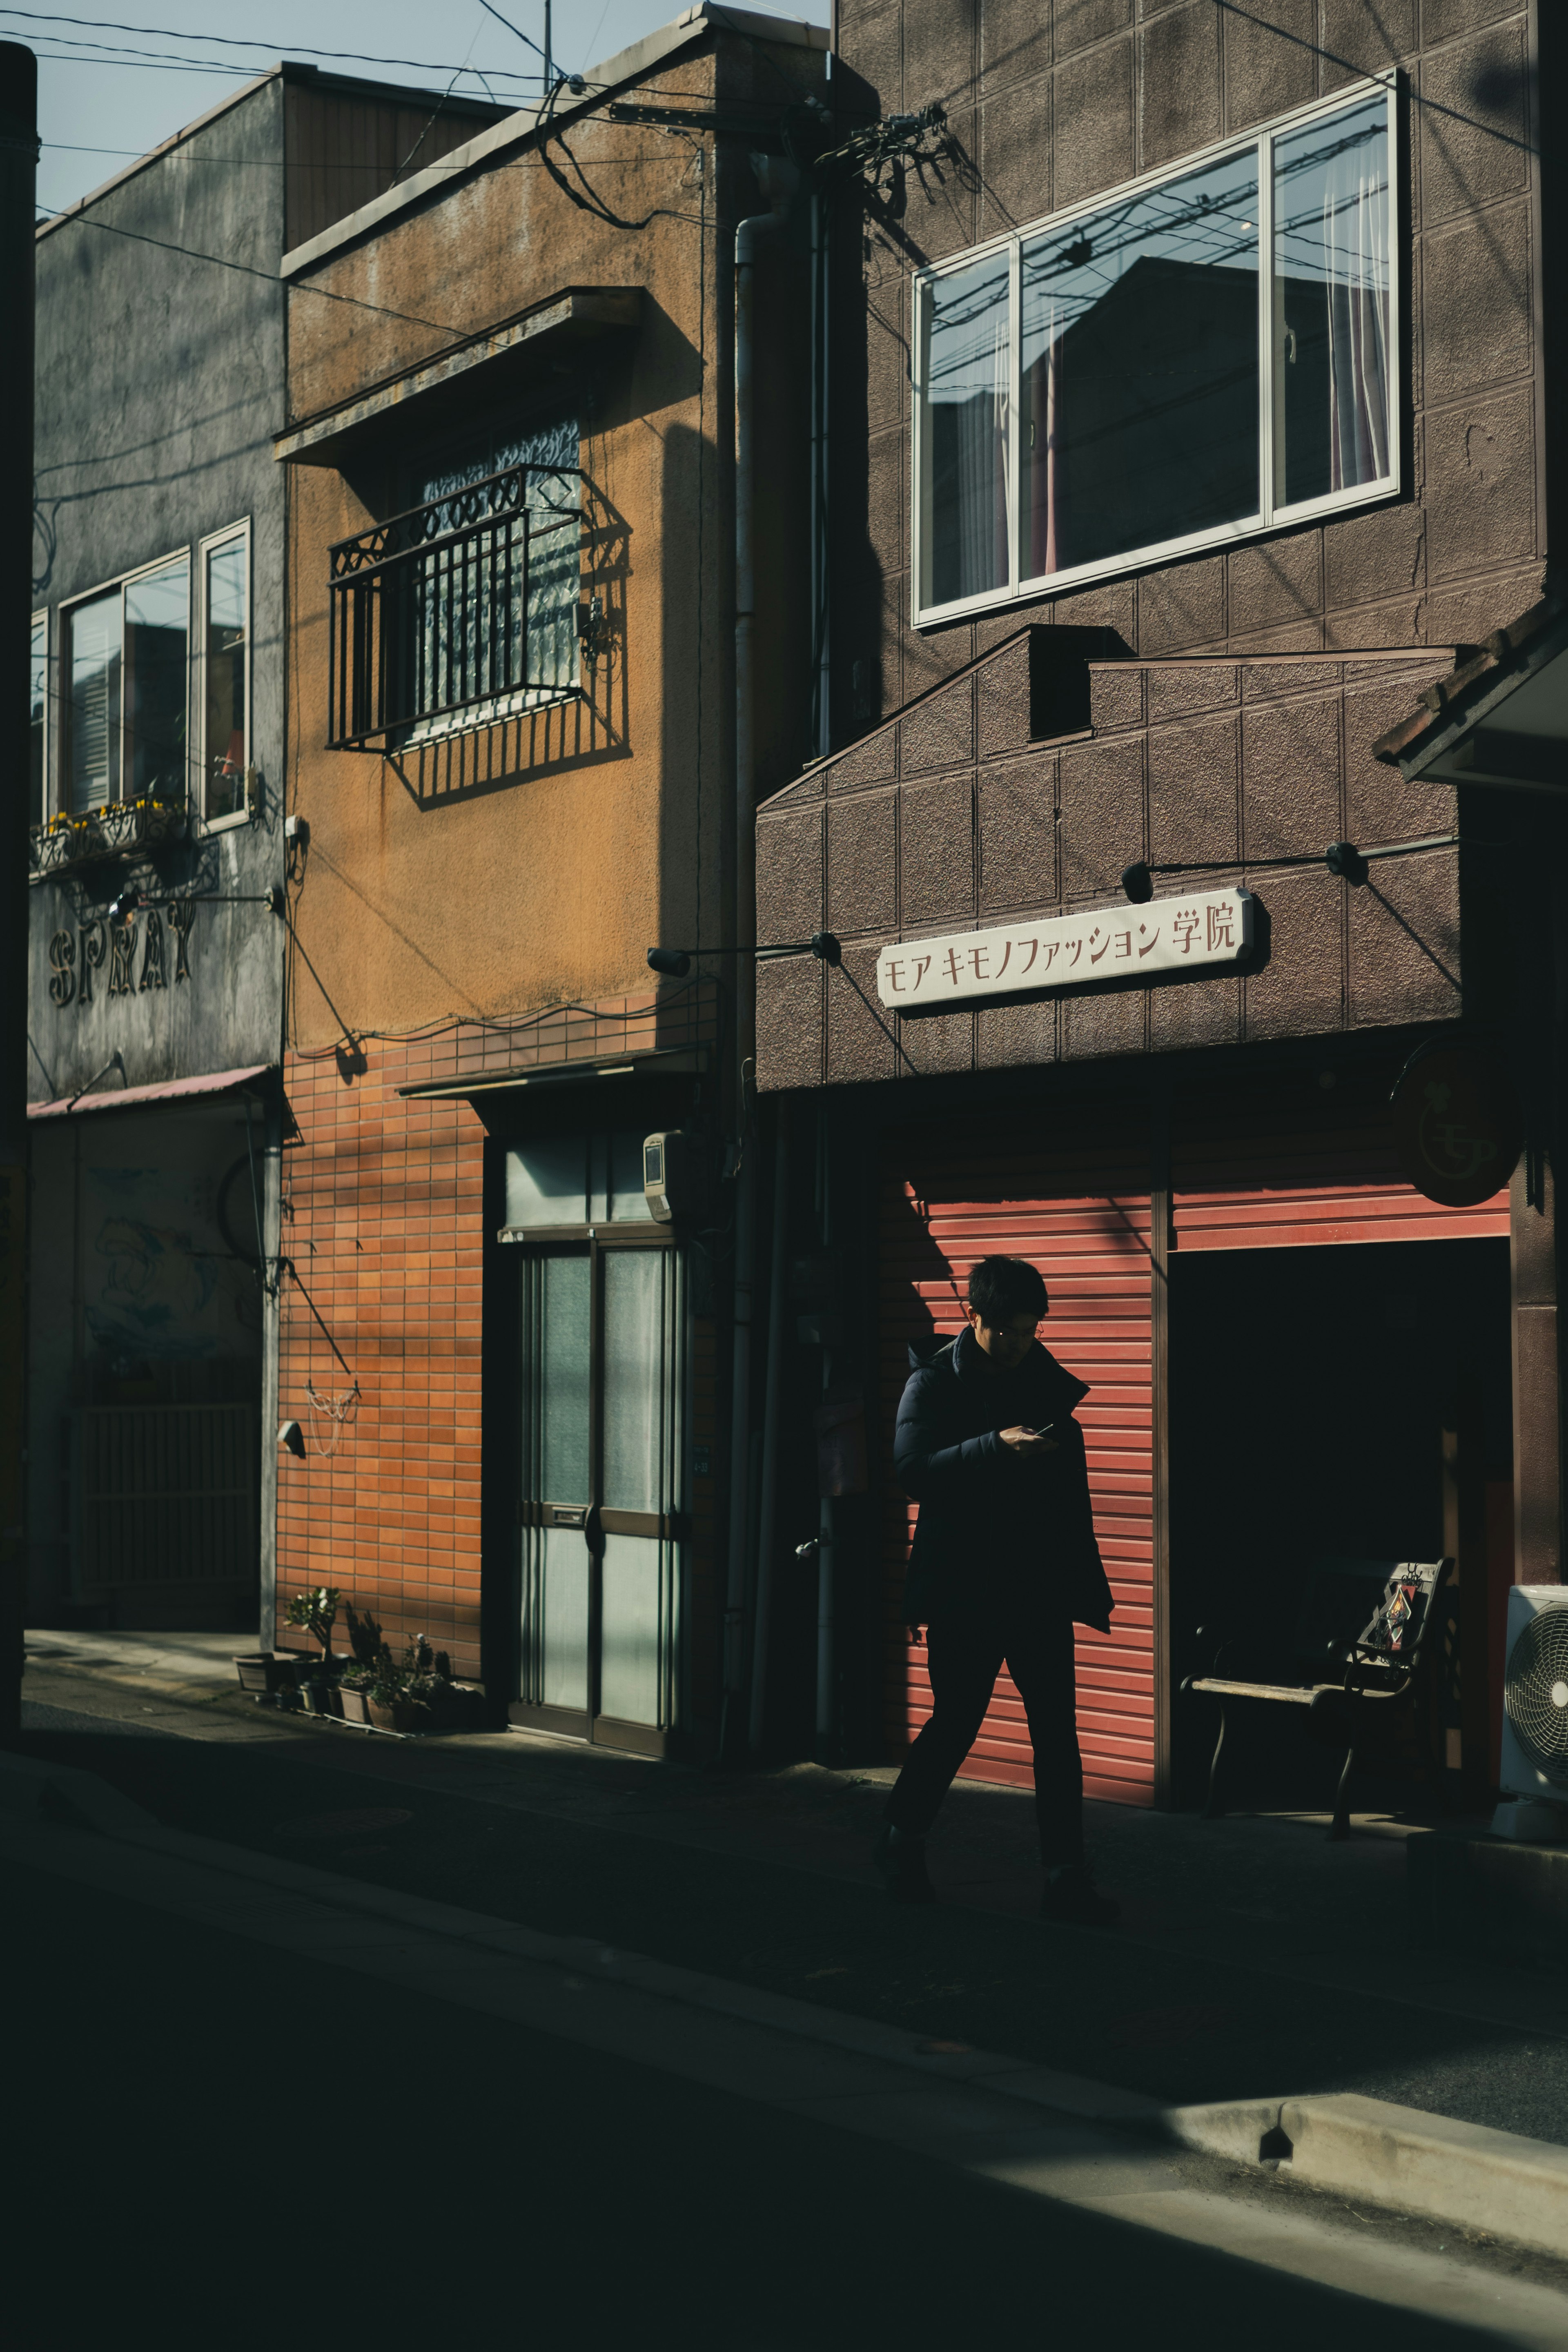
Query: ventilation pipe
x=777 y=180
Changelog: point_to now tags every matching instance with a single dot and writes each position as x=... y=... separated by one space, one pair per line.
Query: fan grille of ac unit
x=1537 y=1665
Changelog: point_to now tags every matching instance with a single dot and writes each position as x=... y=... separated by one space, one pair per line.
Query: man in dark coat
x=1005 y=1559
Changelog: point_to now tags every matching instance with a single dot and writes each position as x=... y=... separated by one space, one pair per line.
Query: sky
x=108 y=92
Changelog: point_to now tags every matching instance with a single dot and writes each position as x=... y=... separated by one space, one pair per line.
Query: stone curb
x=1490 y=2182
x=1466 y=2175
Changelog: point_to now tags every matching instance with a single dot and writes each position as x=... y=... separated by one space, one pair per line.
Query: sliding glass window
x=1205 y=356
x=125 y=658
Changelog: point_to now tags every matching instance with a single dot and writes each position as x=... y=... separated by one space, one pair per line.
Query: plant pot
x=256 y=1672
x=353 y=1706
x=399 y=1715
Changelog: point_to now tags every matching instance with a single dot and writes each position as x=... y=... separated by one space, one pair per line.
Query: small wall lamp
x=676 y=963
x=1341 y=858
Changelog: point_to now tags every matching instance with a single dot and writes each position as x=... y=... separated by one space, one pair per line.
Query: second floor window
x=126 y=657
x=1208 y=356
x=463 y=610
x=39 y=717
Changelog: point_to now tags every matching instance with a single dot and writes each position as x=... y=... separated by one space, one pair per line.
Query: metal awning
x=444 y=387
x=672 y=1062
x=1499 y=718
x=217 y=1081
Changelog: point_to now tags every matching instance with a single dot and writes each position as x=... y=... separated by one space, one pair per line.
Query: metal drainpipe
x=747 y=233
x=768 y=1516
x=820 y=233
x=825 y=1660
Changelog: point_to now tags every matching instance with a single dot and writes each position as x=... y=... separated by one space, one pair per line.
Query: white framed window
x=223 y=684
x=39 y=719
x=125 y=680
x=1210 y=352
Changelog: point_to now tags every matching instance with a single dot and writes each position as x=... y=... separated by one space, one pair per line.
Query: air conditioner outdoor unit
x=1534 y=1763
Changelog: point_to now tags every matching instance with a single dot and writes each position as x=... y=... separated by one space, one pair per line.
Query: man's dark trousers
x=966 y=1651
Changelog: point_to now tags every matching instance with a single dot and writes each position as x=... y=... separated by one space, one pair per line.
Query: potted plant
x=399 y=1693
x=354 y=1691
x=315 y=1612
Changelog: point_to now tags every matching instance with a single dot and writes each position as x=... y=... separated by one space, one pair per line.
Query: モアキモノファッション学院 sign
x=1165 y=937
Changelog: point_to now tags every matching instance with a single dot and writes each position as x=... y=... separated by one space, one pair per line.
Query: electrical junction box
x=666 y=1175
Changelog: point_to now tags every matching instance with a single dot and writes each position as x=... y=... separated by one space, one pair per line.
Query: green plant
x=315 y=1611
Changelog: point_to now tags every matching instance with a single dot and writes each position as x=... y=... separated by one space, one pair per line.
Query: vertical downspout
x=747 y=233
x=271 y=1242
x=821 y=665
x=825 y=1610
x=768 y=1515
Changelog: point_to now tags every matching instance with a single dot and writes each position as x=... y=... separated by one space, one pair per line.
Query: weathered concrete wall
x=160 y=384
x=533 y=863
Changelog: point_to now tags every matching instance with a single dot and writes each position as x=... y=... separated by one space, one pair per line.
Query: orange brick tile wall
x=384 y=1226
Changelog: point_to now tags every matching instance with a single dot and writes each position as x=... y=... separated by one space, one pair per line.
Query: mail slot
x=560 y=1517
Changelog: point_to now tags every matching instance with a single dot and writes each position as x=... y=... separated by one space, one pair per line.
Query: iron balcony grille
x=468 y=603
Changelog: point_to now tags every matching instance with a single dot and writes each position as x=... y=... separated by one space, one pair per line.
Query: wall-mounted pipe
x=778 y=181
x=767 y=1529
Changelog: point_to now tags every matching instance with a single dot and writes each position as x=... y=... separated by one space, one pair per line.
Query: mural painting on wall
x=76 y=957
x=162 y=1281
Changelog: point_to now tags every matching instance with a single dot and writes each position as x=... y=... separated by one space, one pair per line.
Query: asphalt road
x=214 y=2144
x=1183 y=2025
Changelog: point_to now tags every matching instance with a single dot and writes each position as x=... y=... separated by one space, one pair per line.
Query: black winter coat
x=997 y=1531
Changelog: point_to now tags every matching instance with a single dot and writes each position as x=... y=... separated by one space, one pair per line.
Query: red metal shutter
x=1298 y=1164
x=1083 y=1218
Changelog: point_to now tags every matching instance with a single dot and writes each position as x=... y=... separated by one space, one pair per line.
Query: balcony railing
x=467 y=605
x=113 y=830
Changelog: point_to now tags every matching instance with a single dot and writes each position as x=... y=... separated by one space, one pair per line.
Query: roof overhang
x=216 y=1082
x=1500 y=718
x=669 y=1063
x=442 y=390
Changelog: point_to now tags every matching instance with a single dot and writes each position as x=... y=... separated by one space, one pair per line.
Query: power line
x=226 y=41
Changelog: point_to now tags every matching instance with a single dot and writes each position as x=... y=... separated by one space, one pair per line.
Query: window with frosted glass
x=1197 y=358
x=37 y=706
x=484 y=614
x=226 y=625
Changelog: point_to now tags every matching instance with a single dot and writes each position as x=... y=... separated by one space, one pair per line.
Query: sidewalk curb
x=1489 y=2182
x=1467 y=2176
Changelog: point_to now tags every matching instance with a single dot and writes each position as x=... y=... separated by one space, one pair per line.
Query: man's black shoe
x=1071 y=1893
x=900 y=1856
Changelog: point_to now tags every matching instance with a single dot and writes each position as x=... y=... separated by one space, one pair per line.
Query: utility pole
x=18 y=188
x=549 y=59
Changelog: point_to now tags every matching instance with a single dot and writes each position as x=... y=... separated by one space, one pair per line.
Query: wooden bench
x=1359 y=1661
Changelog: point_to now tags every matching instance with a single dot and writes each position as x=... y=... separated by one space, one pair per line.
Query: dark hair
x=1001 y=1286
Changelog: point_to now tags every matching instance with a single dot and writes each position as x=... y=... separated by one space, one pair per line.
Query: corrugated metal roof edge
x=216 y=1082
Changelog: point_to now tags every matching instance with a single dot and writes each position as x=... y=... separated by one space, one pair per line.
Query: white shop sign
x=1169 y=935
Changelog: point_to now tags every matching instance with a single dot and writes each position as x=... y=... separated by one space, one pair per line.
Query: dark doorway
x=1327 y=1401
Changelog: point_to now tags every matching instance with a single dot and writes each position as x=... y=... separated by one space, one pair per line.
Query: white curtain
x=980 y=428
x=1355 y=245
x=1044 y=456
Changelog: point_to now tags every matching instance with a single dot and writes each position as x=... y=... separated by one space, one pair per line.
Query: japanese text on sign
x=1168 y=935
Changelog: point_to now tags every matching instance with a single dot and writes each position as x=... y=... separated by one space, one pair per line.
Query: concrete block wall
x=1052 y=101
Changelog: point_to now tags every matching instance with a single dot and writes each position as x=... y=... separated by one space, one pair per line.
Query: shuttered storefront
x=1283 y=1164
x=1083 y=1219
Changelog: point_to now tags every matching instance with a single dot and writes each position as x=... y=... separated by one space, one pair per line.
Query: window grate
x=468 y=603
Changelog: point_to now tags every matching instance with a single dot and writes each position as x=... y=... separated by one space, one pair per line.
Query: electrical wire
x=227 y=41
